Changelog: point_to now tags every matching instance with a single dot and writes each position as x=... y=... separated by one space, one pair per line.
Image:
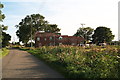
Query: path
x=20 y=64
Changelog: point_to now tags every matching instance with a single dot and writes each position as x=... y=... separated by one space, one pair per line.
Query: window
x=51 y=38
x=60 y=43
x=73 y=44
x=38 y=38
x=60 y=37
x=45 y=39
x=50 y=44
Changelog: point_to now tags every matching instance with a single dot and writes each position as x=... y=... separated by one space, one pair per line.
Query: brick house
x=51 y=39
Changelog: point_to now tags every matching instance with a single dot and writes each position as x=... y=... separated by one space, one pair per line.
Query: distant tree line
x=100 y=35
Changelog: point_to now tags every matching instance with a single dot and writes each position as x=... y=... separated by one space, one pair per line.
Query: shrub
x=78 y=62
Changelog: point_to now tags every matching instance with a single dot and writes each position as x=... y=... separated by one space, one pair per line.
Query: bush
x=78 y=62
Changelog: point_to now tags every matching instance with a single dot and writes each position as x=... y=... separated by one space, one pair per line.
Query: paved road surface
x=20 y=64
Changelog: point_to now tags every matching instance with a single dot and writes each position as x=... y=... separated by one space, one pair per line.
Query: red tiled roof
x=53 y=34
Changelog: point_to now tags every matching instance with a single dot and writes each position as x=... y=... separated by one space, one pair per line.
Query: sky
x=67 y=14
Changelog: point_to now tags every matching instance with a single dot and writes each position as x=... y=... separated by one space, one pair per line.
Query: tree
x=1 y=19
x=2 y=16
x=85 y=32
x=31 y=24
x=52 y=28
x=102 y=34
x=5 y=40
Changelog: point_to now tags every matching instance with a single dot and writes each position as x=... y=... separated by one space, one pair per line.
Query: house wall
x=51 y=39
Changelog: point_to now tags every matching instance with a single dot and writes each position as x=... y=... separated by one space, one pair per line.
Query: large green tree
x=2 y=16
x=1 y=19
x=52 y=28
x=102 y=34
x=4 y=38
x=31 y=24
x=85 y=32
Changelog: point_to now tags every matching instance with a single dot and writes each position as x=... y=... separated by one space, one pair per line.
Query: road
x=20 y=64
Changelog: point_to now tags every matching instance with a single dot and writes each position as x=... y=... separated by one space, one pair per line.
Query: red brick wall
x=66 y=40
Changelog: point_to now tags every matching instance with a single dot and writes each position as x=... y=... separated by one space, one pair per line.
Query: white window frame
x=50 y=38
x=60 y=37
x=45 y=39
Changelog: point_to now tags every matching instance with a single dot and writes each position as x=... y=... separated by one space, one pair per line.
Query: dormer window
x=51 y=38
x=60 y=37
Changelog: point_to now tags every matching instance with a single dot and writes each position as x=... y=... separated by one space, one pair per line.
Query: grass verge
x=3 y=52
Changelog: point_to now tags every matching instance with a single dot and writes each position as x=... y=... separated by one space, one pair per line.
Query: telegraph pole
x=83 y=31
x=31 y=32
x=82 y=24
x=13 y=40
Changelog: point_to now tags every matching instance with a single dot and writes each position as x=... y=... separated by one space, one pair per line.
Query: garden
x=79 y=62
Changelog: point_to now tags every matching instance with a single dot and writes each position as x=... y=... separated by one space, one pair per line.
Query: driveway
x=21 y=64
